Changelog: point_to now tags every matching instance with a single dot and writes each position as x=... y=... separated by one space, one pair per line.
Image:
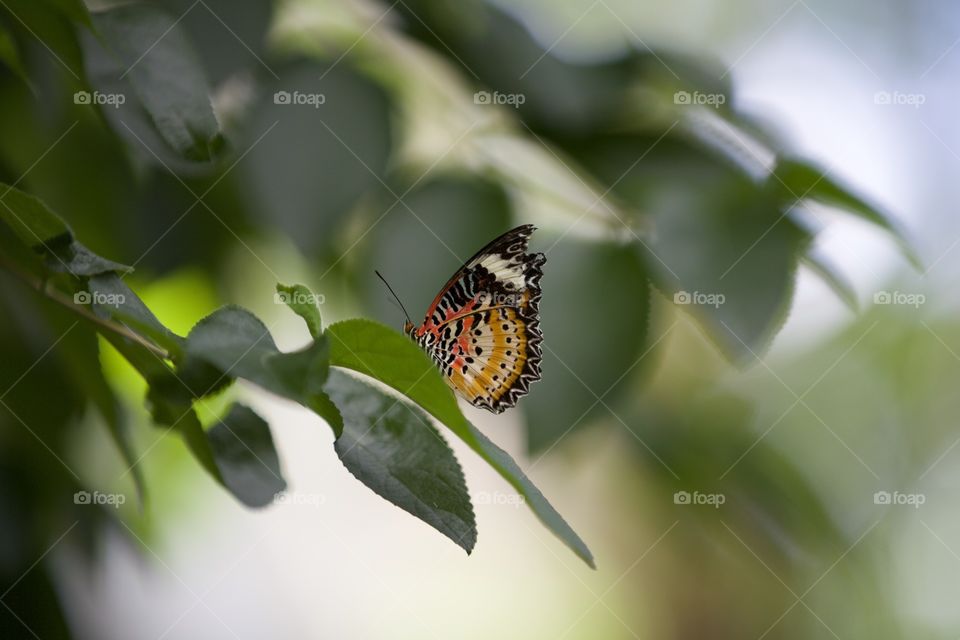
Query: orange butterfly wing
x=483 y=328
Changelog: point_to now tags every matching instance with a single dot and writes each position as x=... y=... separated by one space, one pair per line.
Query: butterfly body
x=483 y=328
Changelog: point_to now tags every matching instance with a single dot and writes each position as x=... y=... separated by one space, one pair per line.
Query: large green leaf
x=381 y=353
x=392 y=448
x=157 y=58
x=247 y=459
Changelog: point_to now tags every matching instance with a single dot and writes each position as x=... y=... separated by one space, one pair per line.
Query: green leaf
x=169 y=401
x=166 y=75
x=39 y=228
x=795 y=180
x=10 y=55
x=581 y=378
x=392 y=448
x=828 y=272
x=236 y=343
x=75 y=10
x=248 y=461
x=302 y=302
x=31 y=219
x=392 y=358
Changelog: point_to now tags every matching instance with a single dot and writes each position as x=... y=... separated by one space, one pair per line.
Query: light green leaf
x=381 y=353
x=302 y=302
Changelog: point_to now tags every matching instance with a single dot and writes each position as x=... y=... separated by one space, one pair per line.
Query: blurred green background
x=748 y=405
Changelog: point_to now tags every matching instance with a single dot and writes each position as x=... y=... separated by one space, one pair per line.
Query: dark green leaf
x=392 y=448
x=302 y=302
x=10 y=55
x=390 y=357
x=318 y=159
x=33 y=222
x=237 y=344
x=244 y=451
x=75 y=10
x=581 y=376
x=166 y=75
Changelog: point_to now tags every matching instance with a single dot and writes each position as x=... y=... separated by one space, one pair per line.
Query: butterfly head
x=409 y=328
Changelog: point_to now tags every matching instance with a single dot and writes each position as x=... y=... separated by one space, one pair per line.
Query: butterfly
x=483 y=328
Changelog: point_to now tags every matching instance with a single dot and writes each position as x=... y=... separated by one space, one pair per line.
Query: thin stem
x=40 y=284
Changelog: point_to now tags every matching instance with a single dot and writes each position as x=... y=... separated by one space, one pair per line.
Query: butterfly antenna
x=394 y=295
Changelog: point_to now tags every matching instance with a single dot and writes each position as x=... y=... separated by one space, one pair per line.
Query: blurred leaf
x=829 y=273
x=75 y=10
x=445 y=219
x=310 y=162
x=393 y=449
x=51 y=28
x=392 y=358
x=45 y=232
x=166 y=75
x=302 y=302
x=244 y=451
x=81 y=351
x=725 y=251
x=226 y=39
x=586 y=285
x=170 y=402
x=10 y=55
x=33 y=222
x=795 y=180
